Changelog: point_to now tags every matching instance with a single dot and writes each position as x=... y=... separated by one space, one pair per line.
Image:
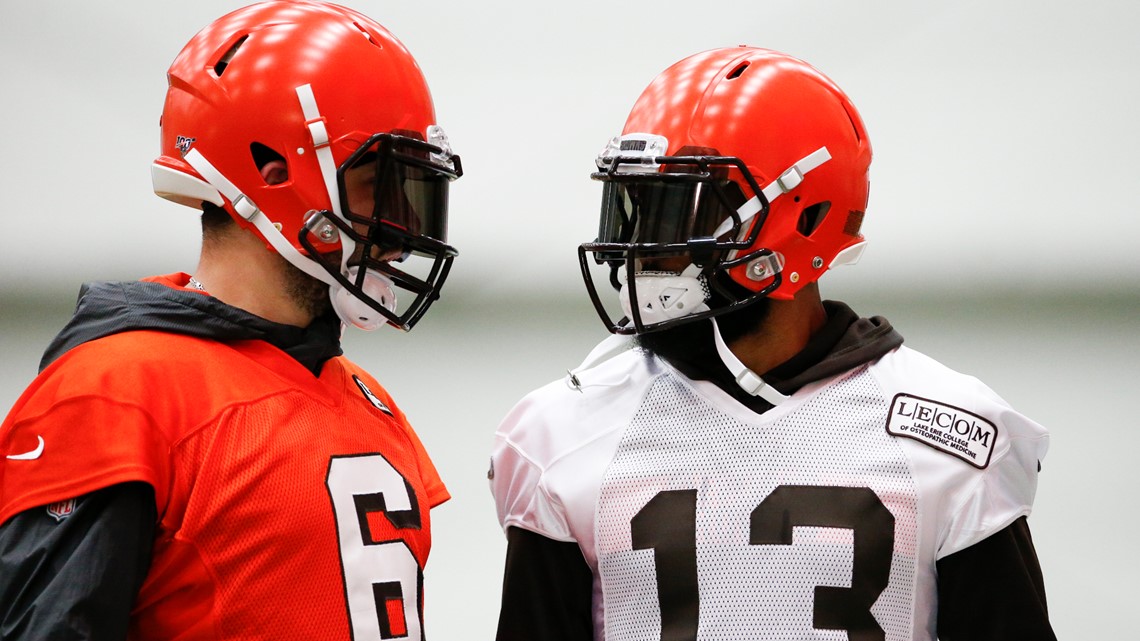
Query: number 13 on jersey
x=667 y=524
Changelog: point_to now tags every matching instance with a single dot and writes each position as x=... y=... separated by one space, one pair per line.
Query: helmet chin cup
x=663 y=296
x=354 y=311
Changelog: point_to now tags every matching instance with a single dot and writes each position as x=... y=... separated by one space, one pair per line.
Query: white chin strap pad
x=355 y=312
x=663 y=296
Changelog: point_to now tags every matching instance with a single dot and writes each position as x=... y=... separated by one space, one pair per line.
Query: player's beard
x=309 y=294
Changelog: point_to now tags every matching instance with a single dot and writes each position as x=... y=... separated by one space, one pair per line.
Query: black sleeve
x=76 y=578
x=994 y=591
x=547 y=590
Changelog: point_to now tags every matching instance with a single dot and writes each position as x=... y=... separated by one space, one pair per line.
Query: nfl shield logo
x=62 y=510
x=372 y=398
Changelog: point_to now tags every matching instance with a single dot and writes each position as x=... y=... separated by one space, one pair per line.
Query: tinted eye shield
x=410 y=189
x=688 y=207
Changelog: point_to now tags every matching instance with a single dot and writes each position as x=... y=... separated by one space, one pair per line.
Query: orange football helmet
x=325 y=89
x=741 y=173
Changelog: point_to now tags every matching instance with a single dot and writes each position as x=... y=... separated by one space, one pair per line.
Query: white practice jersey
x=819 y=519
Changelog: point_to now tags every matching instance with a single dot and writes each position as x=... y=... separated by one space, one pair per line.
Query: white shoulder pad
x=965 y=440
x=547 y=447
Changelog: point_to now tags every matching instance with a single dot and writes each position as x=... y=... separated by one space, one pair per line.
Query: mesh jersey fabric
x=702 y=517
x=282 y=497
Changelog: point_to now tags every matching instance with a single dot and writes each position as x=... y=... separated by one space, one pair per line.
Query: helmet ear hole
x=262 y=155
x=812 y=217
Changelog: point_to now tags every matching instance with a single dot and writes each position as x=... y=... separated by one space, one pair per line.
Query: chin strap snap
x=748 y=380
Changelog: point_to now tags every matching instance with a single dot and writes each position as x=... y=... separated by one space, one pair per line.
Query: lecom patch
x=944 y=427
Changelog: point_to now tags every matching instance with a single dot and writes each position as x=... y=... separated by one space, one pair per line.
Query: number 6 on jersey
x=382 y=579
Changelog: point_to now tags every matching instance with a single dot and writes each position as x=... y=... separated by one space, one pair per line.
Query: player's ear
x=275 y=172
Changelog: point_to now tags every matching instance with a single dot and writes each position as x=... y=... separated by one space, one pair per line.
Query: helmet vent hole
x=854 y=126
x=854 y=222
x=367 y=35
x=735 y=73
x=812 y=217
x=220 y=66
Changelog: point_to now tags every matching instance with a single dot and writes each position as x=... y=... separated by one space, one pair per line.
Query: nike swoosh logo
x=30 y=456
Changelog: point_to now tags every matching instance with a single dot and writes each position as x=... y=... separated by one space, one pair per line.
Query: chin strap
x=322 y=147
x=794 y=175
x=351 y=309
x=250 y=212
x=787 y=181
x=748 y=380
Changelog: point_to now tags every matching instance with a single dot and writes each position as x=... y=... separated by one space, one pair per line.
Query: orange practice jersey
x=290 y=506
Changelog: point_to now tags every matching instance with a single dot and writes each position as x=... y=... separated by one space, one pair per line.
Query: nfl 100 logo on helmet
x=947 y=428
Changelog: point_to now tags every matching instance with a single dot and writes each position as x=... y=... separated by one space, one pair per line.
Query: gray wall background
x=1002 y=221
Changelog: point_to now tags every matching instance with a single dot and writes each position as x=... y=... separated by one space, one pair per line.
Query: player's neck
x=785 y=331
x=239 y=270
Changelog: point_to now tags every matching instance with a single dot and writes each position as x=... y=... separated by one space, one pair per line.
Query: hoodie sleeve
x=72 y=570
x=994 y=590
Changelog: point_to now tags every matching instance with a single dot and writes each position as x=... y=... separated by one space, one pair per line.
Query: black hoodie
x=106 y=308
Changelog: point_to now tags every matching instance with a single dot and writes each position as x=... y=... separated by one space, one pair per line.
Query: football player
x=196 y=459
x=763 y=464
